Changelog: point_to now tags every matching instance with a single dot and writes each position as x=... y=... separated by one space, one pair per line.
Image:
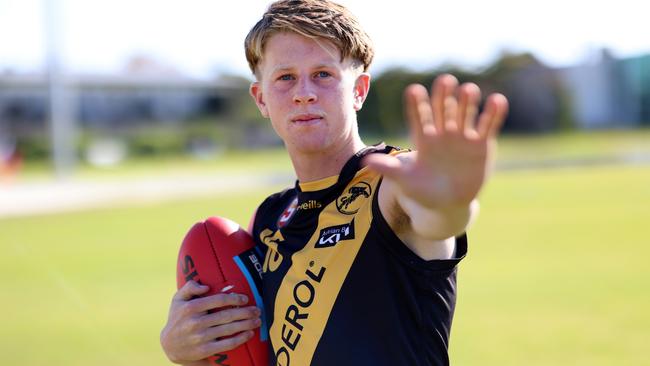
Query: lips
x=306 y=118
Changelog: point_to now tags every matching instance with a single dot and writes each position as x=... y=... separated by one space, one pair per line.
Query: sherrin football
x=220 y=254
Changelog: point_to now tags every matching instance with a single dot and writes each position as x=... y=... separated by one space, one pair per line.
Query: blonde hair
x=313 y=19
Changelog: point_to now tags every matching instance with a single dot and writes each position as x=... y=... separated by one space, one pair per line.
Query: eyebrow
x=285 y=68
x=281 y=68
x=324 y=66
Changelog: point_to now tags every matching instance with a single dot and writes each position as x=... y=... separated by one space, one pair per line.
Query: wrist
x=441 y=222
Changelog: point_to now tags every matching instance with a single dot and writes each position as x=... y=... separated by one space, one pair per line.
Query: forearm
x=438 y=223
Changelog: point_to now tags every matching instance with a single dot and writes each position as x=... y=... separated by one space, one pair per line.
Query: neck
x=318 y=165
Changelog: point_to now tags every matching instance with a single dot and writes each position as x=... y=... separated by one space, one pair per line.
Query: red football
x=220 y=254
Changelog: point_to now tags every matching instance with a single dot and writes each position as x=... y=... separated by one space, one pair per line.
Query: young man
x=361 y=254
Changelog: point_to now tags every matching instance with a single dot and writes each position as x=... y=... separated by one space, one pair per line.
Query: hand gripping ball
x=220 y=254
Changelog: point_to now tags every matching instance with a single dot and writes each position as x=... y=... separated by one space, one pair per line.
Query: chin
x=310 y=144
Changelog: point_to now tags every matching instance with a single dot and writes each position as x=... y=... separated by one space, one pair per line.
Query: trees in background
x=154 y=112
x=537 y=100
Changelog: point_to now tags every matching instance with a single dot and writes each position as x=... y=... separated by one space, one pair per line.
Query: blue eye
x=323 y=74
x=285 y=77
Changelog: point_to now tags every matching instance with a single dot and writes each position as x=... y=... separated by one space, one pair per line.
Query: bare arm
x=429 y=195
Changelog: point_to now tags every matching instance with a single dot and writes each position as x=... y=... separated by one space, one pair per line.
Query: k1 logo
x=331 y=235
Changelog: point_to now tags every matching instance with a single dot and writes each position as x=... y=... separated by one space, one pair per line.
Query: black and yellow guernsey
x=339 y=286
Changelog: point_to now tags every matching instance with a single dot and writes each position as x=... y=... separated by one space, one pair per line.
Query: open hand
x=454 y=148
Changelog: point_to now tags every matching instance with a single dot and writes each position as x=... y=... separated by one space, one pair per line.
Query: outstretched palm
x=453 y=152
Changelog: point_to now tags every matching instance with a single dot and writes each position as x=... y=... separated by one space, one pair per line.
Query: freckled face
x=310 y=95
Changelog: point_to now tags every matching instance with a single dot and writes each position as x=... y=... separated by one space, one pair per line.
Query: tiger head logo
x=350 y=201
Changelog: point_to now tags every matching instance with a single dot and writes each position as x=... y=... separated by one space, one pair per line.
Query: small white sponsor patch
x=331 y=235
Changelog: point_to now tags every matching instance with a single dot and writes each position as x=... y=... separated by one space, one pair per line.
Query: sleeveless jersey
x=340 y=288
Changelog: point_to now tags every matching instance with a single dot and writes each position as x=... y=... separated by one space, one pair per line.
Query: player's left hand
x=454 y=148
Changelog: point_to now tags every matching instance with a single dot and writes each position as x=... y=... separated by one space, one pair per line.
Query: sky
x=204 y=38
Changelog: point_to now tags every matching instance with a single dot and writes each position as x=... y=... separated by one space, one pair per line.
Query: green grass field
x=556 y=274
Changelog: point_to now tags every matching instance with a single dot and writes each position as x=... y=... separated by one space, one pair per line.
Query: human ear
x=361 y=87
x=255 y=91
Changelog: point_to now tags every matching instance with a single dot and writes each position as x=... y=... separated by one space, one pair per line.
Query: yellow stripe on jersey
x=318 y=184
x=309 y=289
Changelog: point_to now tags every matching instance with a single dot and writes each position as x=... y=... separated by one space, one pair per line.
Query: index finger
x=190 y=290
x=413 y=95
x=218 y=301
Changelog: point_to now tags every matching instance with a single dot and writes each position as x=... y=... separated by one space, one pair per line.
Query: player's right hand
x=192 y=333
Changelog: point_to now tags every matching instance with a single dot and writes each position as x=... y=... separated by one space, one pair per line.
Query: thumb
x=191 y=289
x=387 y=165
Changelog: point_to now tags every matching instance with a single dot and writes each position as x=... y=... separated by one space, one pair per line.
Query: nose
x=304 y=93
